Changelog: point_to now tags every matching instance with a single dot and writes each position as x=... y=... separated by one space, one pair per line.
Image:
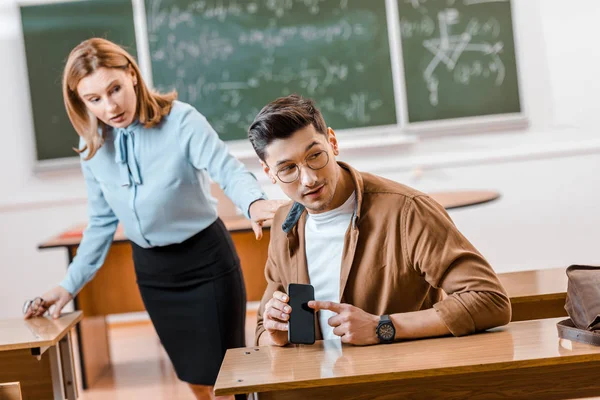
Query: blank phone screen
x=302 y=318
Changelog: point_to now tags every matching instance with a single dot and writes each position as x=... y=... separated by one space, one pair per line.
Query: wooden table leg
x=94 y=350
x=68 y=367
x=58 y=382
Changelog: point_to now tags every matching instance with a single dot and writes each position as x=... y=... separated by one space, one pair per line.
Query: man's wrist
x=397 y=321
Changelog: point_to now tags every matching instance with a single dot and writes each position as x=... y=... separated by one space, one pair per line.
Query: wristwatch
x=386 y=332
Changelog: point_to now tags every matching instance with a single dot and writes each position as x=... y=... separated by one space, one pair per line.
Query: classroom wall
x=550 y=207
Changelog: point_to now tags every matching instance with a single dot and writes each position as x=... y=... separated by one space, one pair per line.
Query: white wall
x=573 y=57
x=548 y=215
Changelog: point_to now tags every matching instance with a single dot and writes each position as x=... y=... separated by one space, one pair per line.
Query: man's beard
x=323 y=204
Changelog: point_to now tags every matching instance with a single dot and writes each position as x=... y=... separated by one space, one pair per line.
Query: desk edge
x=395 y=376
x=45 y=343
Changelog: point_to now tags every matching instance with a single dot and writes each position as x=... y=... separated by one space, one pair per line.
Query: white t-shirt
x=325 y=235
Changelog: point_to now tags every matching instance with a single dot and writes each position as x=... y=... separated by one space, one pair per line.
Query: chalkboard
x=50 y=32
x=229 y=58
x=459 y=58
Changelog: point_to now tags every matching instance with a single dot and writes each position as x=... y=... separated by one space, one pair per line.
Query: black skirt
x=195 y=295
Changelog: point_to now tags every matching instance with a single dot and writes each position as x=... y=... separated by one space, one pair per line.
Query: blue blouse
x=156 y=183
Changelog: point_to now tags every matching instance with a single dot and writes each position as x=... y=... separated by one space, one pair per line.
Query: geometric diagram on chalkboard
x=459 y=60
x=448 y=49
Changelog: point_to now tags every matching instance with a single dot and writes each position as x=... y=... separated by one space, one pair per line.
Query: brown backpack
x=582 y=305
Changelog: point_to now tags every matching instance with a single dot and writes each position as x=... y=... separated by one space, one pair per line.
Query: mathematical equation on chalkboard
x=229 y=58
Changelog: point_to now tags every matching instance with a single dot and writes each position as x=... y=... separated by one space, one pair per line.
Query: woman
x=146 y=159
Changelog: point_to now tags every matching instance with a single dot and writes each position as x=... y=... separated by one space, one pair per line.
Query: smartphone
x=301 y=328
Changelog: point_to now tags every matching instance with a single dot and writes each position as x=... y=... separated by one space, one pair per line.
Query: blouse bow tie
x=125 y=158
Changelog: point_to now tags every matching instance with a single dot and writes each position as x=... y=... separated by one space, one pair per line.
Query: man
x=379 y=254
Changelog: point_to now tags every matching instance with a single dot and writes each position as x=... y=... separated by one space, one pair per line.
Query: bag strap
x=567 y=330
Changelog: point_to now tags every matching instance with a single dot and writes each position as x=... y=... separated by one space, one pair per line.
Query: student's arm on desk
x=419 y=324
x=356 y=326
x=435 y=248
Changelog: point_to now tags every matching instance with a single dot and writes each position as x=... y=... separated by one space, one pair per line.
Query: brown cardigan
x=401 y=252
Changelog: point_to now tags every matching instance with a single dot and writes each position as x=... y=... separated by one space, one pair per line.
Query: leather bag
x=582 y=305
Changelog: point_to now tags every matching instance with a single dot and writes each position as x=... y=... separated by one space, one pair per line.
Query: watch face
x=386 y=332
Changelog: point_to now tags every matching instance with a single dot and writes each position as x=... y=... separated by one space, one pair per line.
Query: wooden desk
x=37 y=354
x=252 y=253
x=522 y=360
x=118 y=273
x=536 y=294
x=458 y=199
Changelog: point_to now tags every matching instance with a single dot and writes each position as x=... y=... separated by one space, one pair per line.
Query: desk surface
x=517 y=345
x=72 y=237
x=449 y=200
x=543 y=284
x=17 y=333
x=458 y=199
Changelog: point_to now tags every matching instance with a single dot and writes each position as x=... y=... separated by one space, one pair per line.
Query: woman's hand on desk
x=352 y=324
x=275 y=319
x=262 y=211
x=57 y=297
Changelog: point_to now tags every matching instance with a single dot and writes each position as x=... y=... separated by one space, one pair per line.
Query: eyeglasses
x=34 y=305
x=291 y=172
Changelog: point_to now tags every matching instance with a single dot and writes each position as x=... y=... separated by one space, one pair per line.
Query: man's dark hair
x=281 y=118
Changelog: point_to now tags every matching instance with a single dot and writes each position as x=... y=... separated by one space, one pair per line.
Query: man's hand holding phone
x=275 y=319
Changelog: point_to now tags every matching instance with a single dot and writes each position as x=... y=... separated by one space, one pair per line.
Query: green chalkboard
x=229 y=58
x=459 y=58
x=50 y=32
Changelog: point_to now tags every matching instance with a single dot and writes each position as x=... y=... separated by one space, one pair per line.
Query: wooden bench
x=521 y=360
